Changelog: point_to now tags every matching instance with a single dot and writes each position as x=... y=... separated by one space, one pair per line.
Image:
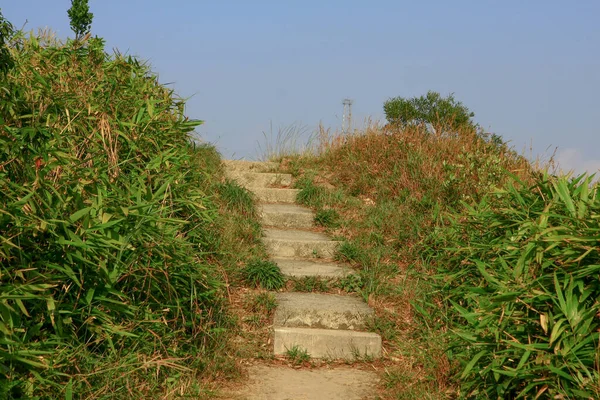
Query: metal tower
x=347 y=116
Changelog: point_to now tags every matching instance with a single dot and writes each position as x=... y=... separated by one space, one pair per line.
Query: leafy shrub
x=444 y=114
x=520 y=277
x=104 y=228
x=265 y=274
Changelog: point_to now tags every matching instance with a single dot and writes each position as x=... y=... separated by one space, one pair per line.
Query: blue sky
x=530 y=70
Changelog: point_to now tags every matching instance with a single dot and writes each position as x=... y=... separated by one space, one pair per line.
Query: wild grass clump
x=107 y=244
x=264 y=274
x=519 y=274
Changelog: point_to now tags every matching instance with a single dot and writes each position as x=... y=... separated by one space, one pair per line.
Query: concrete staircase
x=325 y=325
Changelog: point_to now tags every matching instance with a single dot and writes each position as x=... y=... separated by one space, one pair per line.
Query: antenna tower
x=347 y=116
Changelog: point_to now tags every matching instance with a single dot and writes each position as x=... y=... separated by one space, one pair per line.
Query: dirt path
x=285 y=383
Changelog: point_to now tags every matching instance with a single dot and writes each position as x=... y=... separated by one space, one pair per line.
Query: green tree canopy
x=81 y=17
x=444 y=114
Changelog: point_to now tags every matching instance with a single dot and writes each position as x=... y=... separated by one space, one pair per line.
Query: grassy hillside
x=116 y=233
x=482 y=270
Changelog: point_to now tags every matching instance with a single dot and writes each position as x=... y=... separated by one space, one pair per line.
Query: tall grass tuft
x=106 y=221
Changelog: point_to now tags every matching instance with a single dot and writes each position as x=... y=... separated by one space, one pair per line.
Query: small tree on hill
x=6 y=32
x=81 y=17
x=443 y=114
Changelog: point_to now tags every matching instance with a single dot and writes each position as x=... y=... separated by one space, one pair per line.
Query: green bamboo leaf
x=505 y=297
x=69 y=390
x=483 y=270
x=562 y=189
x=557 y=330
x=79 y=214
x=472 y=363
x=523 y=360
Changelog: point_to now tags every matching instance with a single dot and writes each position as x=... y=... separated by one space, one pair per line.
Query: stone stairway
x=325 y=325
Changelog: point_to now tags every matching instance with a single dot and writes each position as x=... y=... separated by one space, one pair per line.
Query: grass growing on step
x=264 y=274
x=310 y=194
x=309 y=284
x=297 y=355
x=350 y=283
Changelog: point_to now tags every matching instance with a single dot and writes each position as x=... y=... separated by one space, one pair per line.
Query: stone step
x=328 y=343
x=297 y=243
x=254 y=166
x=303 y=268
x=271 y=195
x=260 y=179
x=323 y=311
x=286 y=216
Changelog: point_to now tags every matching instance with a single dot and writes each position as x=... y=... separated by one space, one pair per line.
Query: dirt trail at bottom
x=284 y=383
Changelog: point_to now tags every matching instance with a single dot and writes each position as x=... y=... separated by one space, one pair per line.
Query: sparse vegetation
x=297 y=355
x=310 y=284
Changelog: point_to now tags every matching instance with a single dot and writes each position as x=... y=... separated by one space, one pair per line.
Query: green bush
x=444 y=114
x=519 y=272
x=104 y=228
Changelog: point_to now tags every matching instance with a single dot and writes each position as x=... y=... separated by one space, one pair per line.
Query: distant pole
x=347 y=116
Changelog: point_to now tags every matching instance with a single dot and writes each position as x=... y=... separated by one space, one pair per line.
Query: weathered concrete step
x=286 y=216
x=260 y=179
x=272 y=195
x=323 y=311
x=303 y=268
x=297 y=243
x=328 y=343
x=254 y=166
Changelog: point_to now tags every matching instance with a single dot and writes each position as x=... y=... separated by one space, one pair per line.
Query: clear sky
x=529 y=69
